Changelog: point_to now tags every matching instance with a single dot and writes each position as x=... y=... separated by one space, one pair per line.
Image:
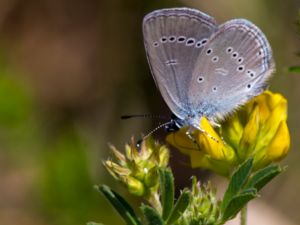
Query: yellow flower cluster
x=257 y=130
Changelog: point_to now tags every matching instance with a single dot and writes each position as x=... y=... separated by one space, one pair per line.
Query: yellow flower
x=257 y=130
x=137 y=169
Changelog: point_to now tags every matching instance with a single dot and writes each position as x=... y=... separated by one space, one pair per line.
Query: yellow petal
x=280 y=143
x=206 y=126
x=202 y=160
x=250 y=135
x=198 y=159
x=232 y=131
x=267 y=102
x=274 y=99
x=211 y=142
x=269 y=128
x=181 y=141
x=261 y=102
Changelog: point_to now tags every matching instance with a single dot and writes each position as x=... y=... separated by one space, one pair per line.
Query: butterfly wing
x=232 y=68
x=173 y=40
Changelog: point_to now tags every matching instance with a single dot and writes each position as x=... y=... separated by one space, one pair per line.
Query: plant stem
x=155 y=202
x=243 y=218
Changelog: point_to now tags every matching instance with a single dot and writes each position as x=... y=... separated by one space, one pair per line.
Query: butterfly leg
x=214 y=124
x=208 y=135
x=190 y=135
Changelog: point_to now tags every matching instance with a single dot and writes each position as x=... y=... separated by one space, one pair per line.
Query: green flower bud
x=137 y=169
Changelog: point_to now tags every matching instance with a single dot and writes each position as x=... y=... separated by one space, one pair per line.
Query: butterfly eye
x=249 y=86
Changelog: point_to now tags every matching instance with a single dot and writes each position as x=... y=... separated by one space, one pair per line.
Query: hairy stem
x=243 y=216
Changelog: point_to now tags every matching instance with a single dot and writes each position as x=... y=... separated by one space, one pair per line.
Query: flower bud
x=137 y=169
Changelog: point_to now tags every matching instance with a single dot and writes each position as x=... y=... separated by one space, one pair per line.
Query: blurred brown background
x=69 y=69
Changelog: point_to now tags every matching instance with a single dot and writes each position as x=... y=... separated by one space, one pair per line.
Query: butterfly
x=203 y=69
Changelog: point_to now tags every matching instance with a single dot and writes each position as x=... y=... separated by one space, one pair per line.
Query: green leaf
x=152 y=216
x=294 y=69
x=93 y=223
x=167 y=191
x=180 y=206
x=236 y=183
x=263 y=176
x=120 y=204
x=237 y=203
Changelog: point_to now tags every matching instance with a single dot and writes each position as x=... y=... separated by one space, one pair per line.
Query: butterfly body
x=203 y=69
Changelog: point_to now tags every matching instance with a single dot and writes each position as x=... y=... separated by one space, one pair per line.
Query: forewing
x=232 y=68
x=173 y=40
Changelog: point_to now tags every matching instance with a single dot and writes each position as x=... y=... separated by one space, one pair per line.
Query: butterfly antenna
x=125 y=117
x=156 y=129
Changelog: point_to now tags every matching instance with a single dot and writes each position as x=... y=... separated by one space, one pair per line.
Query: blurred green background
x=69 y=69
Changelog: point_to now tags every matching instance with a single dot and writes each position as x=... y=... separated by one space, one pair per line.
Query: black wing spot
x=155 y=44
x=209 y=51
x=229 y=50
x=172 y=39
x=204 y=41
x=198 y=44
x=240 y=60
x=181 y=39
x=200 y=79
x=215 y=59
x=163 y=39
x=251 y=73
x=190 y=41
x=234 y=55
x=241 y=68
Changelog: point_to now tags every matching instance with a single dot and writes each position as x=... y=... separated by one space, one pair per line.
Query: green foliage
x=198 y=205
x=66 y=188
x=236 y=183
x=180 y=206
x=93 y=223
x=15 y=102
x=120 y=204
x=263 y=176
x=237 y=202
x=294 y=69
x=18 y=127
x=151 y=215
x=167 y=191
x=244 y=186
